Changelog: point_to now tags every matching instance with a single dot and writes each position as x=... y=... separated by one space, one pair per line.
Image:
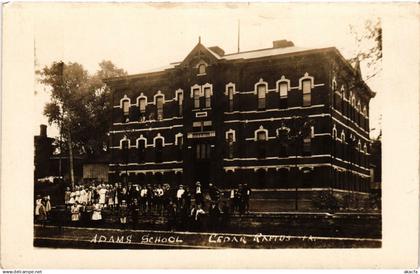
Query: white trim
x=145 y=129
x=158 y=136
x=351 y=129
x=207 y=85
x=334 y=84
x=277 y=158
x=284 y=127
x=261 y=128
x=139 y=97
x=274 y=119
x=125 y=139
x=292 y=166
x=147 y=163
x=196 y=87
x=306 y=77
x=141 y=138
x=125 y=98
x=260 y=82
x=176 y=138
x=159 y=93
x=201 y=114
x=273 y=109
x=334 y=132
x=227 y=86
x=343 y=93
x=153 y=171
x=230 y=131
x=351 y=121
x=147 y=121
x=343 y=136
x=179 y=91
x=282 y=80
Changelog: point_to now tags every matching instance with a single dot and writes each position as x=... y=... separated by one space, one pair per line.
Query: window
x=180 y=99
x=307 y=145
x=230 y=98
x=207 y=95
x=126 y=110
x=202 y=126
x=261 y=90
x=283 y=89
x=230 y=140
x=207 y=126
x=158 y=150
x=179 y=141
x=261 y=136
x=202 y=69
x=141 y=150
x=125 y=147
x=202 y=151
x=196 y=94
x=261 y=144
x=159 y=107
x=142 y=104
x=306 y=87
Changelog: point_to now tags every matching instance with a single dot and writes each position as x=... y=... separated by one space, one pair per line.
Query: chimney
x=282 y=44
x=217 y=50
x=43 y=131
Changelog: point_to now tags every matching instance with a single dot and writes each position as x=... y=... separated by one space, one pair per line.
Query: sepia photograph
x=209 y=129
x=259 y=136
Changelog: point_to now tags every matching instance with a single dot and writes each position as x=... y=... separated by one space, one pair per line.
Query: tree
x=369 y=47
x=80 y=106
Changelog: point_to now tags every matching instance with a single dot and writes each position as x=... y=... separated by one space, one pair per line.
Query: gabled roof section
x=200 y=53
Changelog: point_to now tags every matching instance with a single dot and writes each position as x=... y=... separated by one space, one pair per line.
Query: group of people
x=181 y=205
x=42 y=208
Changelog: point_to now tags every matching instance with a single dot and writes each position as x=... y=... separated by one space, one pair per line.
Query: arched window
x=141 y=149
x=125 y=146
x=180 y=99
x=158 y=149
x=261 y=92
x=207 y=96
x=230 y=139
x=261 y=138
x=306 y=89
x=142 y=106
x=196 y=95
x=202 y=69
x=126 y=109
x=230 y=97
x=283 y=87
x=159 y=107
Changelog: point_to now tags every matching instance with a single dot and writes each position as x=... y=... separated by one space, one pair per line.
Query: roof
x=252 y=54
x=263 y=53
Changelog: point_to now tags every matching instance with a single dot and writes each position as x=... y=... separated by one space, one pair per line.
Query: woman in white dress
x=97 y=212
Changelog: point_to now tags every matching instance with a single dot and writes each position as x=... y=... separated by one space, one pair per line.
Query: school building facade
x=275 y=118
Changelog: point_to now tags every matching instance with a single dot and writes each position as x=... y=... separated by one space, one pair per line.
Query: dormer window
x=202 y=69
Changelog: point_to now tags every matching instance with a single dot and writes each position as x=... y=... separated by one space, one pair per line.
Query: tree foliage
x=369 y=46
x=80 y=104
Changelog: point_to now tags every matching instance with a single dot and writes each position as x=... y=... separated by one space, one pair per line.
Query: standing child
x=97 y=213
x=75 y=212
x=123 y=213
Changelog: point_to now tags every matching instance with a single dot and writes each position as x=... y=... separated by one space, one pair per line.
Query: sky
x=139 y=37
